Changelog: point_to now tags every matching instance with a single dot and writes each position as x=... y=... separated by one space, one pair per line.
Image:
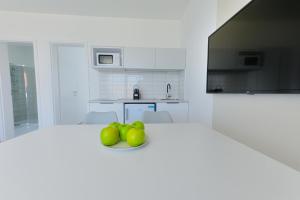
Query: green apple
x=110 y=136
x=114 y=124
x=138 y=124
x=124 y=130
x=135 y=137
x=121 y=126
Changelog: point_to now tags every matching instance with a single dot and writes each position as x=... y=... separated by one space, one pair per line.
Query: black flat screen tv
x=257 y=50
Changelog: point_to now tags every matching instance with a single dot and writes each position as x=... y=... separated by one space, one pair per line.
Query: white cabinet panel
x=170 y=58
x=73 y=84
x=108 y=107
x=135 y=57
x=178 y=111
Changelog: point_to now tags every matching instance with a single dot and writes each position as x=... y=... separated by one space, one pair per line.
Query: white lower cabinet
x=178 y=111
x=108 y=107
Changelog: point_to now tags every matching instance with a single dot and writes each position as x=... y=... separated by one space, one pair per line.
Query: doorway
x=18 y=89
x=70 y=83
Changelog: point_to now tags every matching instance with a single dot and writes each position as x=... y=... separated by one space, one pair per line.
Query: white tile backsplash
x=119 y=84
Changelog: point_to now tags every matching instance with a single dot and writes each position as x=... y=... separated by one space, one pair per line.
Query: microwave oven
x=106 y=59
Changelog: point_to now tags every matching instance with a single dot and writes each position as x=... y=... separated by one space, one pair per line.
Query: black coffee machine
x=136 y=94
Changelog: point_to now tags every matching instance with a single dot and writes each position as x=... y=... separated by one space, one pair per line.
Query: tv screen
x=257 y=50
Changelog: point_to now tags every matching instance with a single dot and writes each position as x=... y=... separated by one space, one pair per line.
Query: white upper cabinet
x=149 y=58
x=170 y=58
x=139 y=58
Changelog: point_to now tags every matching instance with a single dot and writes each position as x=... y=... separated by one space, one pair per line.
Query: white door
x=134 y=112
x=73 y=89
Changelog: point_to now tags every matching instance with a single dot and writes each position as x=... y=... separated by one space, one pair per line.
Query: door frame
x=7 y=120
x=2 y=126
x=4 y=117
x=55 y=73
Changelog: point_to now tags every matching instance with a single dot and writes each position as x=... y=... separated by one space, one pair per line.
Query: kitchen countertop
x=138 y=101
x=181 y=161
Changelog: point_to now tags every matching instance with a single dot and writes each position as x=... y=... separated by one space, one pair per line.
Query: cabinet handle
x=172 y=102
x=106 y=103
x=75 y=93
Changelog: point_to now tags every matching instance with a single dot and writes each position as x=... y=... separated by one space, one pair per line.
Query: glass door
x=18 y=85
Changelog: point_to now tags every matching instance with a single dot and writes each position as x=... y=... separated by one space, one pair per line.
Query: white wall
x=2 y=135
x=267 y=123
x=5 y=95
x=198 y=23
x=104 y=31
x=44 y=28
x=227 y=8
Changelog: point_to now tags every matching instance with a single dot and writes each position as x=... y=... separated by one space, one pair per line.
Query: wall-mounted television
x=257 y=50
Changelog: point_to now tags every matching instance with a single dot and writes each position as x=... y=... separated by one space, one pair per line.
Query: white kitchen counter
x=137 y=101
x=181 y=162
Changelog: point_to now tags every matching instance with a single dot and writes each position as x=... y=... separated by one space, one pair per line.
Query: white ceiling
x=153 y=9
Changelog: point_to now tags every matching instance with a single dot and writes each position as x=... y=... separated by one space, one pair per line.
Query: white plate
x=123 y=146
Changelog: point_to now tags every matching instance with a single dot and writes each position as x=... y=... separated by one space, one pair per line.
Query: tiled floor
x=25 y=128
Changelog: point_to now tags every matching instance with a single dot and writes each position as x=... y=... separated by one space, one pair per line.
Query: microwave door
x=108 y=59
x=105 y=59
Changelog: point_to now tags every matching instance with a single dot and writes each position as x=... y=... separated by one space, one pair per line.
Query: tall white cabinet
x=70 y=83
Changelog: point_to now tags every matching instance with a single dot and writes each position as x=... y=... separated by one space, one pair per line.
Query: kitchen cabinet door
x=108 y=107
x=170 y=58
x=178 y=111
x=139 y=58
x=71 y=87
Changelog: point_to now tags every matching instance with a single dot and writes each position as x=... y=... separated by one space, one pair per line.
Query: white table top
x=181 y=162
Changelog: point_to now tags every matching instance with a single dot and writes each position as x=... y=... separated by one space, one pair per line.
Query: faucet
x=168 y=95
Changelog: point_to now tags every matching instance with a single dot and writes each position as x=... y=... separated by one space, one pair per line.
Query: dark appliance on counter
x=257 y=50
x=136 y=94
